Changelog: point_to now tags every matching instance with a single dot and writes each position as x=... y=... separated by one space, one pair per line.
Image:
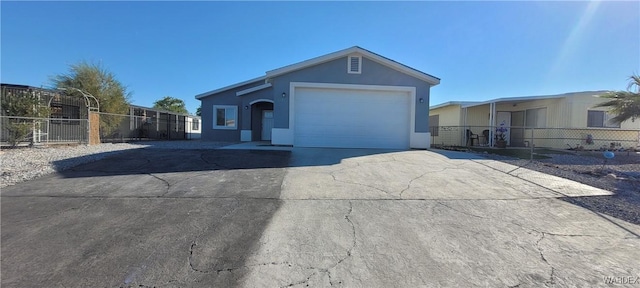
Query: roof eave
x=451 y=103
x=219 y=90
x=541 y=97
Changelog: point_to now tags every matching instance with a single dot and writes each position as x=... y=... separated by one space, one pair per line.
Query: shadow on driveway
x=195 y=217
x=134 y=218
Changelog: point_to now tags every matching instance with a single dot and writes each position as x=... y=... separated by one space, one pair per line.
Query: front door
x=517 y=133
x=267 y=124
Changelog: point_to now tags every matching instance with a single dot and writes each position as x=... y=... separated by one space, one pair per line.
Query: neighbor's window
x=434 y=123
x=225 y=117
x=600 y=119
x=536 y=118
x=195 y=124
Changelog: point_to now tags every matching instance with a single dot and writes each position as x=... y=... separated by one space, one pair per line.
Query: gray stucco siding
x=229 y=98
x=246 y=99
x=335 y=71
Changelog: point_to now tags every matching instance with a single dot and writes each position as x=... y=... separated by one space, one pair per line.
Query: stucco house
x=352 y=98
x=554 y=121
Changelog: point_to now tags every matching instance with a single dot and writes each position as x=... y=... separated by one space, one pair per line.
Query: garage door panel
x=351 y=118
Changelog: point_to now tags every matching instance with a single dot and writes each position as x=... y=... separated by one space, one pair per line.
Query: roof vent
x=354 y=64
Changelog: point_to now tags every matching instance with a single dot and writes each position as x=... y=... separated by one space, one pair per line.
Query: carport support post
x=463 y=133
x=492 y=113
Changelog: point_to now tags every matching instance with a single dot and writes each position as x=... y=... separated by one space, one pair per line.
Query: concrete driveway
x=308 y=217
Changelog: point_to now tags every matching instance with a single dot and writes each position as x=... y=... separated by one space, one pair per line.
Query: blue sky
x=480 y=50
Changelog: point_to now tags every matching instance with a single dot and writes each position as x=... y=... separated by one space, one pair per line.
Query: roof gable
x=432 y=80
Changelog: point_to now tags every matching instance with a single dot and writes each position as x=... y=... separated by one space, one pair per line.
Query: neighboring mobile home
x=554 y=121
x=352 y=98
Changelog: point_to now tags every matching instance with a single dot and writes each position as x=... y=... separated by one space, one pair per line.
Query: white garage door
x=349 y=118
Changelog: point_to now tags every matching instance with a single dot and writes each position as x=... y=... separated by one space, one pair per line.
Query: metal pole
x=531 y=144
x=88 y=136
x=492 y=119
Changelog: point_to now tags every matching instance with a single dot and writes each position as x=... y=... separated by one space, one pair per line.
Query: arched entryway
x=261 y=120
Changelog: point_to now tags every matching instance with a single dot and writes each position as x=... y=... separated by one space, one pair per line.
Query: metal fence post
x=531 y=144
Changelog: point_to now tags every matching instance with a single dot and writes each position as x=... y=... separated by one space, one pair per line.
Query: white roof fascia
x=392 y=64
x=461 y=103
x=253 y=89
x=531 y=98
x=203 y=95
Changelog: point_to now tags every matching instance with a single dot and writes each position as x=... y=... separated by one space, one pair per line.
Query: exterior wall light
x=284 y=95
x=421 y=100
x=246 y=107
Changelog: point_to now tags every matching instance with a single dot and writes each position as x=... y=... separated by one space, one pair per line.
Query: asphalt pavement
x=308 y=217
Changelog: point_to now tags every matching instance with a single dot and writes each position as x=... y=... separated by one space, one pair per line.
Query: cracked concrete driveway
x=307 y=217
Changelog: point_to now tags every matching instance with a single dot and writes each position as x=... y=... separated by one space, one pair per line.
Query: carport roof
x=516 y=100
x=461 y=103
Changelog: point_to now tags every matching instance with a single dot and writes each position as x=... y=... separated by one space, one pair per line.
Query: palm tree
x=624 y=104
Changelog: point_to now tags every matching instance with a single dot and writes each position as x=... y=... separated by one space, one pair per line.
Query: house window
x=536 y=118
x=600 y=119
x=195 y=124
x=354 y=64
x=225 y=117
x=434 y=123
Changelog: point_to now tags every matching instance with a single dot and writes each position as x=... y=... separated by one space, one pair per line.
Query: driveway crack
x=551 y=280
x=460 y=211
x=353 y=243
x=416 y=178
x=165 y=182
x=194 y=243
x=360 y=184
x=214 y=163
x=349 y=253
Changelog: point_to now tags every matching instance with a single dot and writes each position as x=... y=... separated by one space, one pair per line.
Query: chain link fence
x=21 y=131
x=552 y=138
x=157 y=126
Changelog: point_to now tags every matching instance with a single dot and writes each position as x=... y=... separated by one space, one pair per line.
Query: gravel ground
x=620 y=175
x=22 y=164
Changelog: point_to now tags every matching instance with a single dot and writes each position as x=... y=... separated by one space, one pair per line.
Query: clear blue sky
x=480 y=50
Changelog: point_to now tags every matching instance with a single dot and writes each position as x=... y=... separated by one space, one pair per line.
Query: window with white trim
x=195 y=124
x=225 y=117
x=597 y=118
x=354 y=64
x=536 y=118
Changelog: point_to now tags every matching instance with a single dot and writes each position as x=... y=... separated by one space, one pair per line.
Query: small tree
x=199 y=111
x=22 y=103
x=625 y=104
x=102 y=84
x=171 y=104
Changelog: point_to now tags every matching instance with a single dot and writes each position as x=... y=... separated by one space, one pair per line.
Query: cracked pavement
x=307 y=217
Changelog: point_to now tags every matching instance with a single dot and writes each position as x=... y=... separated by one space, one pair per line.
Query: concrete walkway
x=308 y=217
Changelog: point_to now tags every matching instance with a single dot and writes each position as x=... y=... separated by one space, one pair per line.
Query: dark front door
x=517 y=132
